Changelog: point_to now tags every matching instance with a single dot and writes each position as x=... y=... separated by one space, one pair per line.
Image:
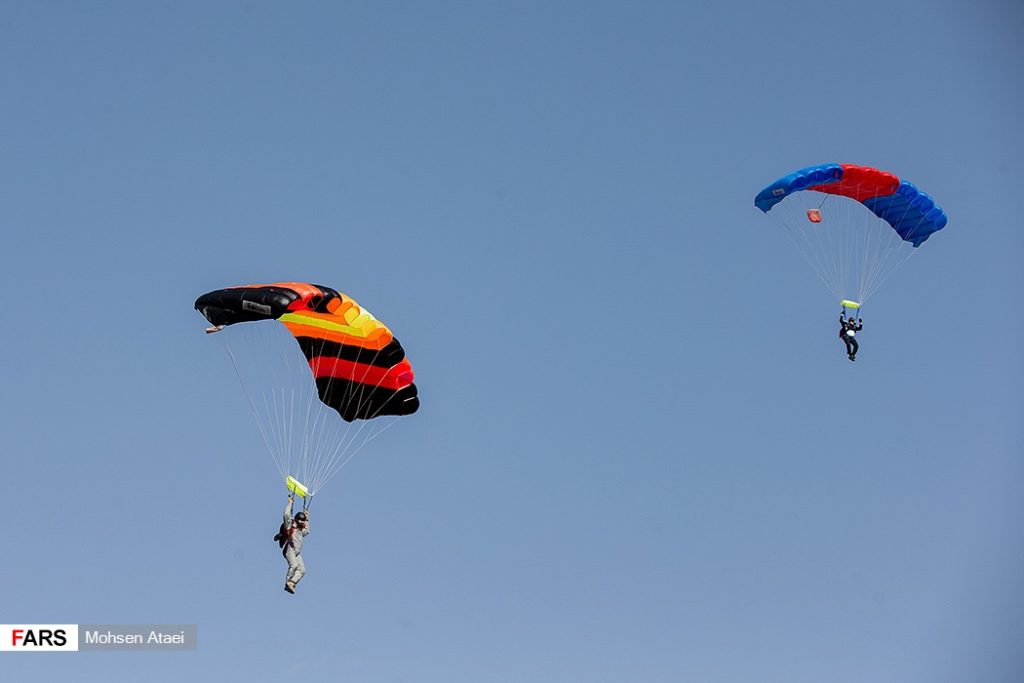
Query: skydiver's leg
x=855 y=345
x=294 y=561
x=300 y=570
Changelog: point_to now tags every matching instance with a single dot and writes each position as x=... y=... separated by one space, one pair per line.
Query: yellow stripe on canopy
x=360 y=327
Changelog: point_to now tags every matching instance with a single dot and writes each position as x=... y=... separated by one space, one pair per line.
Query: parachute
x=855 y=225
x=354 y=370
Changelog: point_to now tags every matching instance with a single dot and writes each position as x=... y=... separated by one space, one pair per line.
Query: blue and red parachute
x=859 y=238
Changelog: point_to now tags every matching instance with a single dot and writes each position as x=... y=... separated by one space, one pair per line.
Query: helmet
x=300 y=516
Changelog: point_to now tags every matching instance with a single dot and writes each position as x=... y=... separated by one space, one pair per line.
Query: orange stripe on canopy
x=375 y=341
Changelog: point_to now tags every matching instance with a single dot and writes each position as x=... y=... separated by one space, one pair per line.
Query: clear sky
x=641 y=455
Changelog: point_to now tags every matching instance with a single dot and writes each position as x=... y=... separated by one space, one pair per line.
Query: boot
x=289 y=586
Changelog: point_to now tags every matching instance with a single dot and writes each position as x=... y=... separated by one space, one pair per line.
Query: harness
x=284 y=535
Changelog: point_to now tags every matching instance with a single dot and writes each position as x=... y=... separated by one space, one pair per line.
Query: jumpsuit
x=293 y=547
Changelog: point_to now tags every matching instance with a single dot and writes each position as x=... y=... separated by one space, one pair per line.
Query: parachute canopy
x=911 y=213
x=359 y=367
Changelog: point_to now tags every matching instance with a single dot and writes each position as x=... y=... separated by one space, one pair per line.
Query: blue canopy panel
x=911 y=213
x=795 y=182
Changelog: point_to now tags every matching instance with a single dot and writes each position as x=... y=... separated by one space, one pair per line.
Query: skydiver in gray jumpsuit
x=298 y=527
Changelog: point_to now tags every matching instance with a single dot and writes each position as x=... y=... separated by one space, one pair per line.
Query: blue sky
x=641 y=454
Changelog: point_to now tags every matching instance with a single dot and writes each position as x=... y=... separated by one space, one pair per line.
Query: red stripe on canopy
x=860 y=183
x=394 y=378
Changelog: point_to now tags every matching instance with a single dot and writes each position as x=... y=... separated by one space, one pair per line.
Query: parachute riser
x=297 y=487
x=849 y=308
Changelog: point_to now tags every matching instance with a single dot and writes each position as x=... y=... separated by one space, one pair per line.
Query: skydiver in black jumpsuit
x=848 y=327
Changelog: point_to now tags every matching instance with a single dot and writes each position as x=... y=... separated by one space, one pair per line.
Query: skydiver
x=848 y=327
x=295 y=529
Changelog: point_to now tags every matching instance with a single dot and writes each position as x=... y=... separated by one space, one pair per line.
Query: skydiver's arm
x=288 y=511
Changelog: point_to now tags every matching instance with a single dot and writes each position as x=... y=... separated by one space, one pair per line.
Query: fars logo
x=38 y=637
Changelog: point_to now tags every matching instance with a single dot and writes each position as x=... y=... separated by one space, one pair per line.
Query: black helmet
x=300 y=516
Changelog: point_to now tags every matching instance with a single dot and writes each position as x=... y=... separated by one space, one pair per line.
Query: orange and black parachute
x=359 y=367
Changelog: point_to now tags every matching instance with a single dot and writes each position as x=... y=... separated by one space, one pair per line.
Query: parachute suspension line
x=281 y=394
x=279 y=407
x=887 y=245
x=320 y=416
x=348 y=456
x=328 y=452
x=884 y=243
x=263 y=417
x=856 y=255
x=831 y=237
x=824 y=234
x=343 y=447
x=320 y=433
x=864 y=234
x=324 y=437
x=297 y=461
x=827 y=233
x=332 y=471
x=255 y=412
x=330 y=442
x=883 y=264
x=334 y=463
x=792 y=226
x=284 y=429
x=334 y=448
x=865 y=256
x=274 y=404
x=317 y=431
x=895 y=255
x=840 y=251
x=851 y=249
x=279 y=403
x=852 y=220
x=835 y=248
x=847 y=234
x=804 y=247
